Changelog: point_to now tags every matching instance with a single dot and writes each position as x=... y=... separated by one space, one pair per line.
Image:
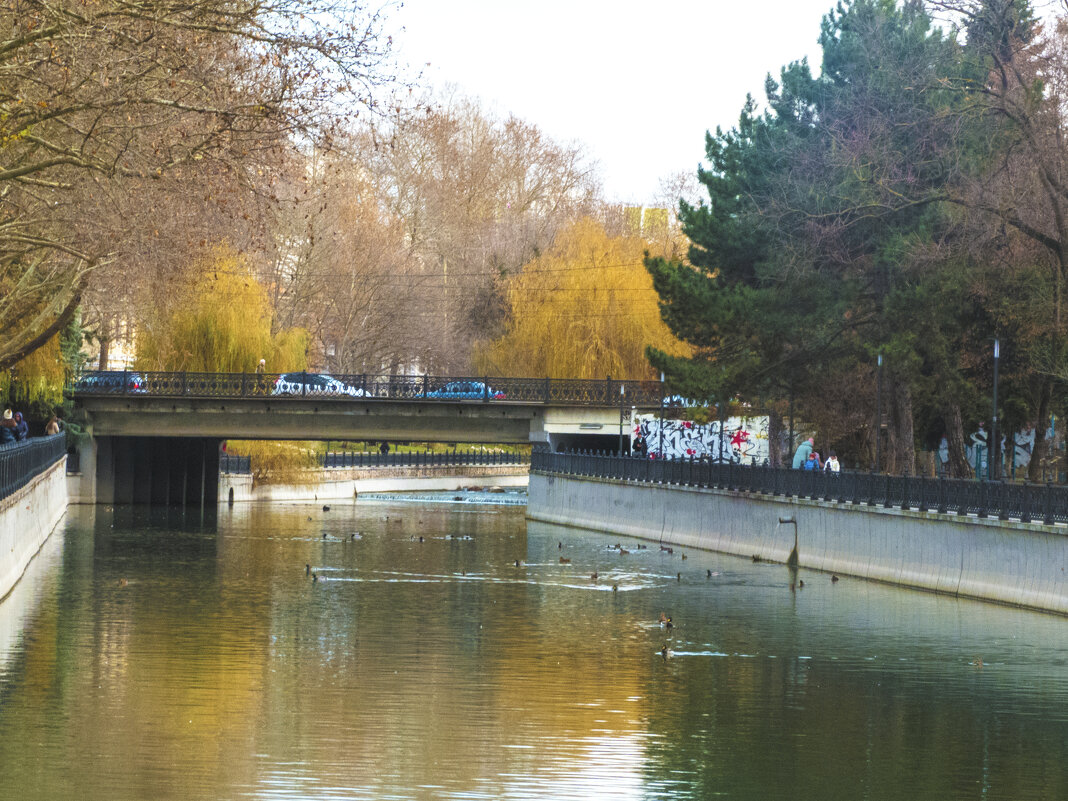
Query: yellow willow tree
x=586 y=308
x=219 y=323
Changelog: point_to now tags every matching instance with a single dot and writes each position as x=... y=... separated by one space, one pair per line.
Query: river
x=390 y=650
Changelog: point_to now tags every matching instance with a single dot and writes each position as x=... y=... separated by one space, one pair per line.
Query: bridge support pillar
x=158 y=471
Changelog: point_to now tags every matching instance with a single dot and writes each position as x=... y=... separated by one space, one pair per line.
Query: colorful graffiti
x=743 y=439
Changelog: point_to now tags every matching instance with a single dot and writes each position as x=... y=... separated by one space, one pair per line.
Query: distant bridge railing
x=1040 y=503
x=230 y=463
x=349 y=459
x=282 y=386
x=21 y=462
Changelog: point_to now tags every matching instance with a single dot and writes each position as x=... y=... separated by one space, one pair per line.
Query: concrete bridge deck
x=154 y=436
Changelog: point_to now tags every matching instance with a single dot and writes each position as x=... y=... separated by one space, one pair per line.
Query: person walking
x=831 y=465
x=53 y=426
x=261 y=368
x=641 y=447
x=802 y=453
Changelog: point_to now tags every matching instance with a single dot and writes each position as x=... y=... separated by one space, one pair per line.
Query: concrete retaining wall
x=1014 y=563
x=27 y=517
x=347 y=484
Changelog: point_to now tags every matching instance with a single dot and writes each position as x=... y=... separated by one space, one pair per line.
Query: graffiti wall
x=743 y=439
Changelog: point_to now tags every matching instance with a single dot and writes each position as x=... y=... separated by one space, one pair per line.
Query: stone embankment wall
x=340 y=484
x=1015 y=563
x=27 y=518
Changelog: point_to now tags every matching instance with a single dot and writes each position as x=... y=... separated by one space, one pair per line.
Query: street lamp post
x=994 y=472
x=879 y=415
x=660 y=450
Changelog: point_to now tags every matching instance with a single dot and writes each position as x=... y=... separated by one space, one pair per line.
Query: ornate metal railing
x=20 y=462
x=1040 y=503
x=607 y=392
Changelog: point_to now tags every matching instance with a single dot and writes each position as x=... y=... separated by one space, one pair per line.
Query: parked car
x=313 y=384
x=466 y=390
x=110 y=381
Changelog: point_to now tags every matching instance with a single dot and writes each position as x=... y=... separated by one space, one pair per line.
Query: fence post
x=303 y=383
x=1025 y=502
x=1047 y=515
x=1003 y=500
x=904 y=491
x=548 y=394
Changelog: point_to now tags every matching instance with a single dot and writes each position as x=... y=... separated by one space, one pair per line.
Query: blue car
x=465 y=390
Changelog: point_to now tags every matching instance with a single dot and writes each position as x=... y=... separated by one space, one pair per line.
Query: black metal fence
x=607 y=392
x=1041 y=503
x=343 y=459
x=229 y=463
x=20 y=462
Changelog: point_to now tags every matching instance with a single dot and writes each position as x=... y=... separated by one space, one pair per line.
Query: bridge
x=155 y=435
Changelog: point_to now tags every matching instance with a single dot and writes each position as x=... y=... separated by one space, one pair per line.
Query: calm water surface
x=151 y=656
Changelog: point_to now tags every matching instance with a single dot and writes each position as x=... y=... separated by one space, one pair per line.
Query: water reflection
x=174 y=656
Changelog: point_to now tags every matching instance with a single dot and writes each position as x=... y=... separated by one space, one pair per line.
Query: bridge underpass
x=156 y=441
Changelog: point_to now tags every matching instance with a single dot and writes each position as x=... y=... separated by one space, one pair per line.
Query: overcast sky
x=637 y=83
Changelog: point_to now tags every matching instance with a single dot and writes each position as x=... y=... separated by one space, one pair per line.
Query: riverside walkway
x=1040 y=503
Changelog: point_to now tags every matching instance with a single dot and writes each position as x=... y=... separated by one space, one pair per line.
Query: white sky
x=636 y=82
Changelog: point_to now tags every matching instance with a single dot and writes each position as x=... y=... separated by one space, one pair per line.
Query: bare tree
x=93 y=96
x=477 y=196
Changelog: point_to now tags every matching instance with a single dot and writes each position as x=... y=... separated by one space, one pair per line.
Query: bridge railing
x=283 y=386
x=1041 y=503
x=21 y=462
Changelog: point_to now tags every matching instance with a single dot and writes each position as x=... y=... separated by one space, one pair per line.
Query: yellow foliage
x=585 y=309
x=276 y=462
x=37 y=379
x=221 y=324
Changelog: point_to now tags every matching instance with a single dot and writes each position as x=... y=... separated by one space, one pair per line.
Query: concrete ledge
x=1023 y=564
x=27 y=517
x=368 y=480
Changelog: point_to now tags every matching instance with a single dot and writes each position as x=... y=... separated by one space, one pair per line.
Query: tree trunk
x=1039 y=454
x=958 y=458
x=774 y=438
x=105 y=345
x=905 y=441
